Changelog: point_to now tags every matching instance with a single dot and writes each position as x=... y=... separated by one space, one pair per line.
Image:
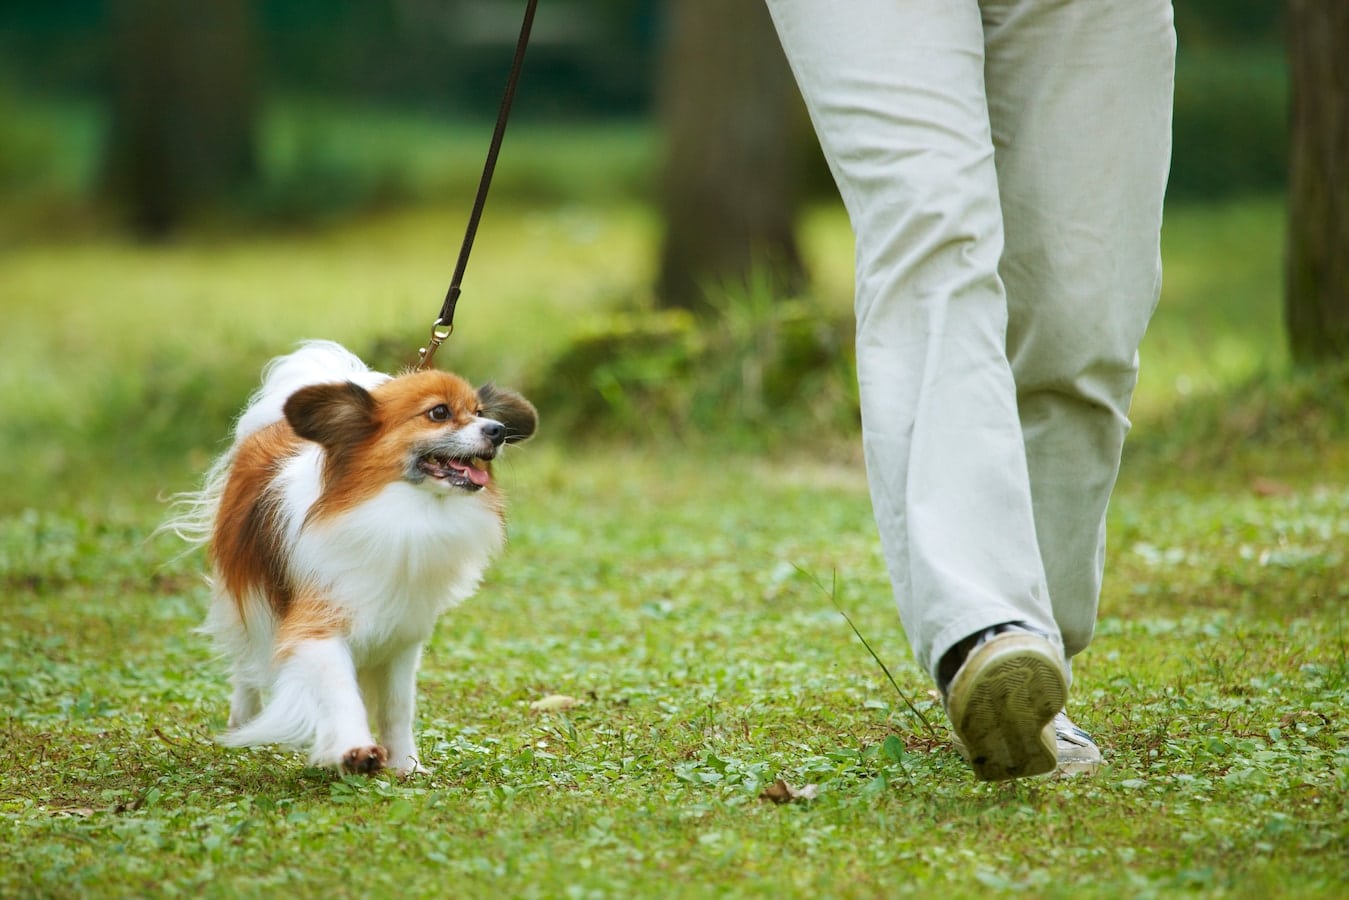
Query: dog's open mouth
x=468 y=474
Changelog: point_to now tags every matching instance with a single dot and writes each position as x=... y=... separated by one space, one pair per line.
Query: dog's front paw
x=364 y=760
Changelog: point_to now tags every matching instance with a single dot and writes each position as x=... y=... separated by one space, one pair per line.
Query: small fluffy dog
x=352 y=509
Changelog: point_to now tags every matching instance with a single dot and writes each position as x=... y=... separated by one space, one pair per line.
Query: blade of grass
x=832 y=593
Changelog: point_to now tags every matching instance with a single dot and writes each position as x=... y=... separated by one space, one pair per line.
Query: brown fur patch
x=246 y=546
x=308 y=618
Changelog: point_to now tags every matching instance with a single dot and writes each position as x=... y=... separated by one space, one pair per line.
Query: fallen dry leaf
x=1268 y=487
x=782 y=792
x=553 y=703
x=69 y=812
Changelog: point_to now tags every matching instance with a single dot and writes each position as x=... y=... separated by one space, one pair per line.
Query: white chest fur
x=393 y=563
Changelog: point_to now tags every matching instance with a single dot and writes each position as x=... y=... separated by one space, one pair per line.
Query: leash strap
x=443 y=326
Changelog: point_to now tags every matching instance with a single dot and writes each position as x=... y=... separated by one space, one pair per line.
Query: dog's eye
x=439 y=413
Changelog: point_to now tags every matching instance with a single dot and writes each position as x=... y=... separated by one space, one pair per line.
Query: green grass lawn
x=683 y=593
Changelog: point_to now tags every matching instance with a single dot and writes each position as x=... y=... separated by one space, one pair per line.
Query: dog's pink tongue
x=472 y=473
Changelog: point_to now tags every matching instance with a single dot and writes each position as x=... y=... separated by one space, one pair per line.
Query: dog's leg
x=245 y=704
x=249 y=649
x=396 y=682
x=316 y=659
x=316 y=701
x=323 y=669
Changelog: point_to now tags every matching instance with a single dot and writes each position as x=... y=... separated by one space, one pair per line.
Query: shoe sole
x=1072 y=768
x=1002 y=705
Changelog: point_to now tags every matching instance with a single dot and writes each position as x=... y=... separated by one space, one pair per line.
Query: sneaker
x=1003 y=701
x=1077 y=752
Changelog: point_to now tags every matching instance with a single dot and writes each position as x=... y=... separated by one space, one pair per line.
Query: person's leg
x=1080 y=103
x=896 y=93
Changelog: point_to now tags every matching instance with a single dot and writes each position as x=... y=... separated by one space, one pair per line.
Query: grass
x=673 y=588
x=668 y=595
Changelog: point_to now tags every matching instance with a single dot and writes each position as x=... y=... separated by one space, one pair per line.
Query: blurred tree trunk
x=184 y=107
x=734 y=127
x=1316 y=301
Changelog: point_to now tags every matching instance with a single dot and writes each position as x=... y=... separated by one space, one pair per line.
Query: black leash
x=443 y=327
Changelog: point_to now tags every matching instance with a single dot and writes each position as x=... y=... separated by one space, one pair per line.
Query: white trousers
x=1003 y=165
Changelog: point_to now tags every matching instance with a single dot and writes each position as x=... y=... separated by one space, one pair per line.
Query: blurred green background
x=352 y=96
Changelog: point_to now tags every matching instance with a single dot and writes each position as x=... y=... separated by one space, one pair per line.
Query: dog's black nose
x=494 y=432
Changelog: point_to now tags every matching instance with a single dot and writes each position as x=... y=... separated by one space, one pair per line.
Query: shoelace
x=1066 y=730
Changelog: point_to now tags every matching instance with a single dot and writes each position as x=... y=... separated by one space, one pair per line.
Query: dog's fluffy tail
x=289 y=718
x=192 y=513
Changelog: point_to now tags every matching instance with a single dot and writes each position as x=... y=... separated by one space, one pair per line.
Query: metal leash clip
x=440 y=331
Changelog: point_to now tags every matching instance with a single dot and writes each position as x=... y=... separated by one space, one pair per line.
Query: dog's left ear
x=339 y=416
x=510 y=409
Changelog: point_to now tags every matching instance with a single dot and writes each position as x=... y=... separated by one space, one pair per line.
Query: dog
x=350 y=511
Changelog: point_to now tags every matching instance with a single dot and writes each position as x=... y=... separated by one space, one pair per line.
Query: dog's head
x=431 y=429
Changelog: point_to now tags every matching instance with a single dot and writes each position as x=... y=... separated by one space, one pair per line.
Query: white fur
x=315 y=362
x=392 y=565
